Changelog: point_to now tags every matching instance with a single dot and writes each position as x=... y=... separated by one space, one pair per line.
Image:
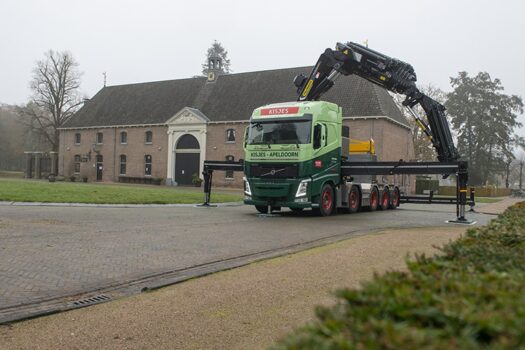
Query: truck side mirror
x=317 y=136
x=246 y=130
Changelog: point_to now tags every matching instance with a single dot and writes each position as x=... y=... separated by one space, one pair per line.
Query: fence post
x=54 y=163
x=29 y=165
x=38 y=165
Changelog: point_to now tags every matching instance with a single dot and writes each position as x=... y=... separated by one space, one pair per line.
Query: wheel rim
x=327 y=200
x=395 y=199
x=353 y=199
x=385 y=199
x=373 y=199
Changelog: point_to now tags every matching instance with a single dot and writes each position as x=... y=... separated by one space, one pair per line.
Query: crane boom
x=390 y=73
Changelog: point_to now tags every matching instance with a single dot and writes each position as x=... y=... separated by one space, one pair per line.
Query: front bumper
x=277 y=193
x=304 y=203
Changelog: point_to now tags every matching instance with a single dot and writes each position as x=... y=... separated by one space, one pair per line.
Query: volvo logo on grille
x=273 y=172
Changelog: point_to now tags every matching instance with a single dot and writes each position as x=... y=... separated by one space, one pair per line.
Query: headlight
x=247 y=189
x=302 y=190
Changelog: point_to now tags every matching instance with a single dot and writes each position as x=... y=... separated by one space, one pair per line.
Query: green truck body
x=293 y=155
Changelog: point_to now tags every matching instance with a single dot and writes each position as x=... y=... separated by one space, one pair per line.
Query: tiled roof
x=231 y=97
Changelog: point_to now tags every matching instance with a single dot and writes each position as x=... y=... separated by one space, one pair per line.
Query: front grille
x=274 y=171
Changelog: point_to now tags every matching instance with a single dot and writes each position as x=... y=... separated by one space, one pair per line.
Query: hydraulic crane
x=299 y=163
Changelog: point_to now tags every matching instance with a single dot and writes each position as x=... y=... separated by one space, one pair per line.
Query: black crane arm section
x=389 y=73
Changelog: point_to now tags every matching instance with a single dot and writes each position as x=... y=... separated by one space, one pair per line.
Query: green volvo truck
x=293 y=157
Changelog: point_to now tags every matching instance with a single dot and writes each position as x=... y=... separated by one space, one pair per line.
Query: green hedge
x=470 y=297
x=423 y=185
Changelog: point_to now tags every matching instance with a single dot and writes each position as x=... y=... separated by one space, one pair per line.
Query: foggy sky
x=139 y=41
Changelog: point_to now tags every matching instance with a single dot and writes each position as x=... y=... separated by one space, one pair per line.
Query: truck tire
x=385 y=199
x=374 y=199
x=394 y=201
x=354 y=200
x=326 y=200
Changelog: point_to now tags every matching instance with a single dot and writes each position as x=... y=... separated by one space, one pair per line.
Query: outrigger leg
x=208 y=175
x=461 y=195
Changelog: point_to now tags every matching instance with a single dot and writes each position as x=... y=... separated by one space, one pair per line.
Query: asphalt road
x=51 y=252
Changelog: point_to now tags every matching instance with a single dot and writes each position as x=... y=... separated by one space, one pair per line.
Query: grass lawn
x=487 y=199
x=66 y=192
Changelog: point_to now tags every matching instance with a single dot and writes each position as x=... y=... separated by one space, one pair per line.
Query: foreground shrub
x=471 y=296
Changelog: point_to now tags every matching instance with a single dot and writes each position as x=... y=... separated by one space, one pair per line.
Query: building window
x=149 y=137
x=123 y=137
x=77 y=138
x=229 y=173
x=77 y=164
x=147 y=164
x=123 y=160
x=100 y=137
x=230 y=135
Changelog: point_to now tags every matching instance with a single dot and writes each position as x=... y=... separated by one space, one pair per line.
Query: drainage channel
x=97 y=299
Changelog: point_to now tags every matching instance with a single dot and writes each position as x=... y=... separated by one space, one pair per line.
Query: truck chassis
x=349 y=169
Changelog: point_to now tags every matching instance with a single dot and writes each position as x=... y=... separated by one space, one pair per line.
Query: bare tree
x=55 y=86
x=423 y=149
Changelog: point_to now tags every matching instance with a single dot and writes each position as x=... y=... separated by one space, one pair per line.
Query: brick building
x=167 y=129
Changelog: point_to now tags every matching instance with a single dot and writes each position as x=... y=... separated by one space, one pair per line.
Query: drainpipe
x=114 y=153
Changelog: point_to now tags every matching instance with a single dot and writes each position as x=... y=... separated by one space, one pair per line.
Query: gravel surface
x=244 y=308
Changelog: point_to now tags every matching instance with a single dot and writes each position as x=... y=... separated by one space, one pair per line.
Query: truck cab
x=293 y=156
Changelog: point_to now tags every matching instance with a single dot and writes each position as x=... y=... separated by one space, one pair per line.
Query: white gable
x=188 y=116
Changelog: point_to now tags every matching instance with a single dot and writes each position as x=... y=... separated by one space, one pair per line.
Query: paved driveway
x=50 y=252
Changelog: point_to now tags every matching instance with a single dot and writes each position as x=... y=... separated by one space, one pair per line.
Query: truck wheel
x=385 y=199
x=354 y=200
x=263 y=209
x=394 y=203
x=374 y=199
x=326 y=200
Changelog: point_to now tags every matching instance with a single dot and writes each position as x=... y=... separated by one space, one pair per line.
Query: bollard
x=472 y=199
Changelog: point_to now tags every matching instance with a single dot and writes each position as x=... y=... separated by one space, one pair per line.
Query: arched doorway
x=187 y=157
x=100 y=166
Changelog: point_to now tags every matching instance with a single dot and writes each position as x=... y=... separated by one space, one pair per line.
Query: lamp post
x=521 y=175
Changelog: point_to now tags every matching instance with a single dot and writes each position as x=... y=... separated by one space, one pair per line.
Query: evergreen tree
x=484 y=118
x=217 y=50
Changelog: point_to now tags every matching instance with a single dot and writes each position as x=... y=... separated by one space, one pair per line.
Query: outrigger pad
x=461 y=222
x=269 y=215
x=206 y=205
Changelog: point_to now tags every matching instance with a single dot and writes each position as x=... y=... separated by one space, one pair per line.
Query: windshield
x=280 y=132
